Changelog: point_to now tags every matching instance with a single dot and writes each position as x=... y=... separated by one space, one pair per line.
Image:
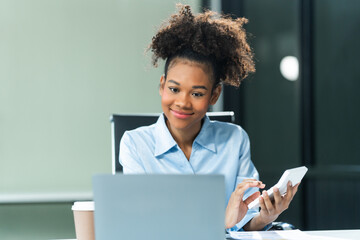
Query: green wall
x=65 y=66
x=36 y=221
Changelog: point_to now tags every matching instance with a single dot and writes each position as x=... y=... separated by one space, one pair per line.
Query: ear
x=215 y=95
x=162 y=84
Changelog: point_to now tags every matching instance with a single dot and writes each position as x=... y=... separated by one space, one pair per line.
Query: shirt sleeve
x=246 y=170
x=128 y=156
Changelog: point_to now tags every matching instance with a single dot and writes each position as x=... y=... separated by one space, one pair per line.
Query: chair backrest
x=123 y=122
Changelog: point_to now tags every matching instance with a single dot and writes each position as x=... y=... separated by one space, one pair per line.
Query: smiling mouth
x=181 y=115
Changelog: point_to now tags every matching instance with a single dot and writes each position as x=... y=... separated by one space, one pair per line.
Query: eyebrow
x=193 y=87
x=174 y=82
x=201 y=87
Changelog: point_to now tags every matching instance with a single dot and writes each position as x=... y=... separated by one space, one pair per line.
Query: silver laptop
x=159 y=207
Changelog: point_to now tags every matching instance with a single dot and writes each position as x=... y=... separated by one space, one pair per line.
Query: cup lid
x=83 y=206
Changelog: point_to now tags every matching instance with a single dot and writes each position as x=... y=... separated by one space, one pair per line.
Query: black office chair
x=123 y=122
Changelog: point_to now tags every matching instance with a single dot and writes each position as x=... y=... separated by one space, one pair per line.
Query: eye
x=174 y=90
x=198 y=94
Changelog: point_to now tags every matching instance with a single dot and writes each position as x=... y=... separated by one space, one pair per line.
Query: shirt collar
x=164 y=141
x=206 y=137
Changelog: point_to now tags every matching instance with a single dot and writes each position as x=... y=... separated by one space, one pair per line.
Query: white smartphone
x=294 y=175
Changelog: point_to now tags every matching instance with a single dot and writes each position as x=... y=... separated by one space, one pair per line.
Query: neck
x=185 y=137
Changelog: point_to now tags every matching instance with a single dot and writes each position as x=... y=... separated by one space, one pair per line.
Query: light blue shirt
x=219 y=148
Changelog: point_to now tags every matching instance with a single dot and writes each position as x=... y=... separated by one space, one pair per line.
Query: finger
x=252 y=198
x=252 y=180
x=249 y=180
x=247 y=184
x=262 y=204
x=296 y=188
x=277 y=197
x=241 y=188
x=267 y=201
x=289 y=192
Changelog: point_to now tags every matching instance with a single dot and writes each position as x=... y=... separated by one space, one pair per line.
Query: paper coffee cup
x=84 y=220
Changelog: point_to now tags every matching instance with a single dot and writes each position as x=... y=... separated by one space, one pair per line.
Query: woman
x=202 y=52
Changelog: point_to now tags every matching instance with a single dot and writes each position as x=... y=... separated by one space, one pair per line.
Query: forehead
x=184 y=69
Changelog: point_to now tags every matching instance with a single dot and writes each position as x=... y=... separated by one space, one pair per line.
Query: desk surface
x=344 y=234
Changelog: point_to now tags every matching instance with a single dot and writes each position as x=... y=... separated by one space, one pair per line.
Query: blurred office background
x=67 y=65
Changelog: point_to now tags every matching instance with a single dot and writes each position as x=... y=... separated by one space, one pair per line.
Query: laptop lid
x=157 y=207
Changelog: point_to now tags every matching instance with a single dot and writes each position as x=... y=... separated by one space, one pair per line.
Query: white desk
x=344 y=234
x=297 y=234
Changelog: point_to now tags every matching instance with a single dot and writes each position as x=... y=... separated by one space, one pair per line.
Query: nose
x=183 y=101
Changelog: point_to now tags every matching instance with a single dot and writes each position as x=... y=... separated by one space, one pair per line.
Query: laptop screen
x=156 y=207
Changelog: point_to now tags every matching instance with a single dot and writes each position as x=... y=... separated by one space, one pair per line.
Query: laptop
x=159 y=207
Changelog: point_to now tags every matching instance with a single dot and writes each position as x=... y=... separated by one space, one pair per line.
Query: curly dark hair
x=209 y=38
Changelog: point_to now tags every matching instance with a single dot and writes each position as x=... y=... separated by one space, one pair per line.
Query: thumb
x=252 y=198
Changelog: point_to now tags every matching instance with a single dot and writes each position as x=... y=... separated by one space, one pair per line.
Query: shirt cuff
x=250 y=215
x=267 y=227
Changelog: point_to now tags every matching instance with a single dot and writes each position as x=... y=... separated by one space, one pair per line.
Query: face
x=186 y=95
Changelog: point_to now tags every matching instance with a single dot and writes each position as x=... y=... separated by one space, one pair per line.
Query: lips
x=181 y=115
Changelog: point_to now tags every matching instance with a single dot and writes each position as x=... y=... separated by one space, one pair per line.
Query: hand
x=270 y=210
x=237 y=208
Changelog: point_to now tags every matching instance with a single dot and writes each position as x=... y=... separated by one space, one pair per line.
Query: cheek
x=165 y=98
x=202 y=105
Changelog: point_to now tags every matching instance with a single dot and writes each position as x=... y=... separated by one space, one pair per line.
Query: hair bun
x=208 y=34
